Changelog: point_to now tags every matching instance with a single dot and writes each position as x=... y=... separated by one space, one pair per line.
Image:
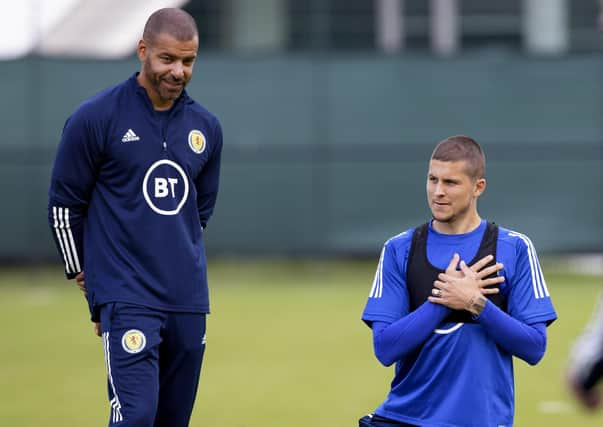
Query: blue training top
x=131 y=191
x=457 y=376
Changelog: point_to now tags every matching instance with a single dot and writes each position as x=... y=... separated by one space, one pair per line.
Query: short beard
x=156 y=83
x=168 y=94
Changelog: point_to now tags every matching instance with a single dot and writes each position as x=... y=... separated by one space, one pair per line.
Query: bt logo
x=165 y=187
x=161 y=187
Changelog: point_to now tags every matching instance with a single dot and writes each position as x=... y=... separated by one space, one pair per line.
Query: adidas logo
x=130 y=136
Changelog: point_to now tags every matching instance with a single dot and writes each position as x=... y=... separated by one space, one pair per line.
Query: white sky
x=26 y=20
x=88 y=28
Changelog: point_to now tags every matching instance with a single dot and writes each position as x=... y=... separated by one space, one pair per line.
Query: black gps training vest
x=420 y=273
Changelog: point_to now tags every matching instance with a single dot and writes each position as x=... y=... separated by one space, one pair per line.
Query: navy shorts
x=153 y=361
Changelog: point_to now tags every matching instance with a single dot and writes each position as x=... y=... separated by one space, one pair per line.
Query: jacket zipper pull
x=164 y=146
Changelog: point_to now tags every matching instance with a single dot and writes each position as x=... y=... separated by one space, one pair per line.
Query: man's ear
x=480 y=186
x=142 y=50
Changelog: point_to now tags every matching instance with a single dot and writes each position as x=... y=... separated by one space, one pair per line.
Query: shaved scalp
x=462 y=148
x=173 y=21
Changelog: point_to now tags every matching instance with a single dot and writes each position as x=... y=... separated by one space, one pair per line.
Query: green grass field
x=285 y=348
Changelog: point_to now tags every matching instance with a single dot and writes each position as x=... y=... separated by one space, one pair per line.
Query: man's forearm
x=394 y=341
x=527 y=342
x=67 y=230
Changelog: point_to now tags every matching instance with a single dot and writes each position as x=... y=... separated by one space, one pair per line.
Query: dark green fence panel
x=327 y=155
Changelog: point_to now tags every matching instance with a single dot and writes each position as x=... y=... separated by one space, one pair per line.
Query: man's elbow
x=537 y=353
x=532 y=361
x=382 y=356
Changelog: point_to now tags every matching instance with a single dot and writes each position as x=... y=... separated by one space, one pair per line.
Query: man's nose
x=439 y=189
x=178 y=70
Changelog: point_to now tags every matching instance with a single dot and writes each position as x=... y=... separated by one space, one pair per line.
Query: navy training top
x=130 y=194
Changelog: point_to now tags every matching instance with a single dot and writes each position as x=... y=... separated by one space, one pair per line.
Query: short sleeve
x=529 y=298
x=388 y=297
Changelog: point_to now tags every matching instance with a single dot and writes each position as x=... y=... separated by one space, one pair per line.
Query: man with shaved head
x=134 y=184
x=452 y=302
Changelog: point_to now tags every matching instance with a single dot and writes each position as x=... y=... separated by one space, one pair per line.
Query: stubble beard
x=439 y=216
x=451 y=217
x=166 y=93
x=163 y=93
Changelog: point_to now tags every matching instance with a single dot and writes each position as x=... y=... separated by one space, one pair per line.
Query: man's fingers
x=490 y=291
x=481 y=263
x=82 y=288
x=97 y=329
x=490 y=270
x=443 y=277
x=492 y=281
x=439 y=284
x=466 y=270
x=453 y=263
x=80 y=282
x=436 y=300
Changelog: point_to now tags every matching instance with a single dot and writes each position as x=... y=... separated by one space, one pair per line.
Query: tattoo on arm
x=476 y=305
